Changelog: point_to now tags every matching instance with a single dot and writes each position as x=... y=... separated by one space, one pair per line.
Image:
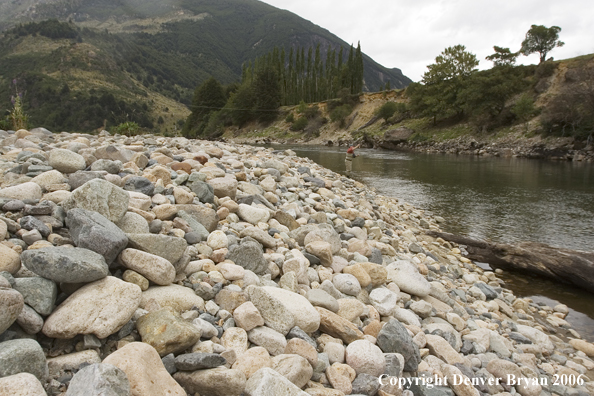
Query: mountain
x=150 y=54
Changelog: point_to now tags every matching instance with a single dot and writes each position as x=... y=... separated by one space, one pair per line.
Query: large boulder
x=394 y=338
x=394 y=137
x=64 y=264
x=99 y=308
x=100 y=196
x=145 y=370
x=66 y=161
x=99 y=379
x=168 y=247
x=22 y=356
x=249 y=255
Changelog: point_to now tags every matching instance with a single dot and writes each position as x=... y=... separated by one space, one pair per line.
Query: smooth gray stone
x=99 y=379
x=169 y=363
x=79 y=178
x=38 y=293
x=32 y=223
x=64 y=264
x=296 y=332
x=22 y=356
x=487 y=290
x=109 y=166
x=321 y=298
x=249 y=255
x=365 y=384
x=194 y=224
x=394 y=338
x=91 y=230
x=204 y=191
x=170 y=248
x=199 y=361
x=140 y=184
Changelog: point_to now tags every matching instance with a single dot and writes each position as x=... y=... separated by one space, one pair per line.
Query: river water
x=496 y=199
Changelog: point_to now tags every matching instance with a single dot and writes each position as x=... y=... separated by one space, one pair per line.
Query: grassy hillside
x=149 y=55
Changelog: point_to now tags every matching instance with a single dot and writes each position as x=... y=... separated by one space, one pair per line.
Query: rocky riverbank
x=560 y=149
x=403 y=139
x=151 y=266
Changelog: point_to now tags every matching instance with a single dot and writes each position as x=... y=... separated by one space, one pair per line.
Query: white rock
x=101 y=308
x=383 y=300
x=252 y=214
x=217 y=240
x=272 y=340
x=304 y=314
x=267 y=382
x=66 y=161
x=365 y=358
x=28 y=190
x=406 y=275
x=154 y=268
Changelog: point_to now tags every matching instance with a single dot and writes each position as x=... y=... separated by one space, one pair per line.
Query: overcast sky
x=409 y=34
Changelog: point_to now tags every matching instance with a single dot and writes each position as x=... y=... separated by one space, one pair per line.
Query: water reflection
x=497 y=199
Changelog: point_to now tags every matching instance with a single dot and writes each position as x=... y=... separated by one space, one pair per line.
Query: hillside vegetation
x=548 y=101
x=149 y=55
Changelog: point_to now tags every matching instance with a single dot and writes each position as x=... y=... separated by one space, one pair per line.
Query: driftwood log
x=565 y=265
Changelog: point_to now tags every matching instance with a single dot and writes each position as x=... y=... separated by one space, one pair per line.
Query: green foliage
x=439 y=95
x=503 y=57
x=387 y=110
x=453 y=63
x=487 y=92
x=524 y=109
x=312 y=112
x=267 y=94
x=339 y=114
x=208 y=98
x=302 y=107
x=544 y=70
x=240 y=106
x=18 y=118
x=541 y=39
x=290 y=118
x=127 y=128
x=51 y=28
x=299 y=124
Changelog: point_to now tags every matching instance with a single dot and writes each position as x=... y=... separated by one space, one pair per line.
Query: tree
x=443 y=83
x=208 y=97
x=503 y=57
x=454 y=62
x=541 y=39
x=267 y=93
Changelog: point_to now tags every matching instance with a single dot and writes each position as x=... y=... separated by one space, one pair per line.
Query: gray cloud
x=409 y=34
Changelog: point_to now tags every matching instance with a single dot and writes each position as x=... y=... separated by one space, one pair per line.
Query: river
x=496 y=199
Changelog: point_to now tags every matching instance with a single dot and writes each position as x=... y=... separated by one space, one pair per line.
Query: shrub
x=290 y=118
x=299 y=124
x=312 y=112
x=387 y=110
x=127 y=128
x=340 y=114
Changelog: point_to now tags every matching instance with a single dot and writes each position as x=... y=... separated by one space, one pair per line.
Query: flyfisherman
x=350 y=154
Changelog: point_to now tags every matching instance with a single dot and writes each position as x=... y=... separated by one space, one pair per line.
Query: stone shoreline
x=559 y=149
x=151 y=266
